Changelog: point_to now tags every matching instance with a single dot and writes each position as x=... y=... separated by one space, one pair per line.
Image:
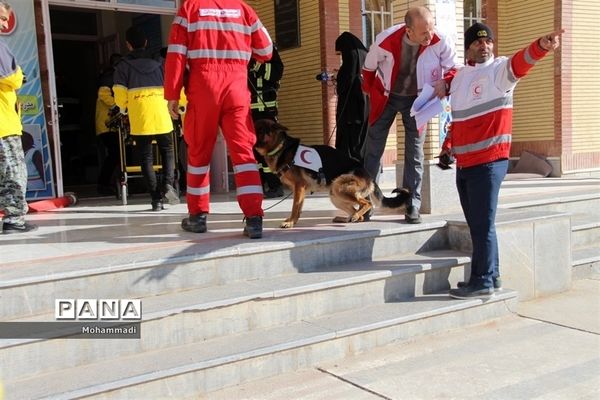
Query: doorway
x=82 y=43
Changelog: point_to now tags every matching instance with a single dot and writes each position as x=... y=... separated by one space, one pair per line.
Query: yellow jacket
x=138 y=88
x=11 y=79
x=105 y=101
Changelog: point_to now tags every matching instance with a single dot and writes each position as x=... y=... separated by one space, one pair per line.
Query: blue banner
x=21 y=39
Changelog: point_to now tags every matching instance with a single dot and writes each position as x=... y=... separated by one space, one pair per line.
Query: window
x=287 y=24
x=377 y=16
x=472 y=13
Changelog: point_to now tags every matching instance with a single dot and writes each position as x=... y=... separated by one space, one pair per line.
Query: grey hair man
x=401 y=61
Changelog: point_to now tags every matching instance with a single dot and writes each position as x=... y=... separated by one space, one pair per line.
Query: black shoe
x=253 y=228
x=195 y=223
x=171 y=195
x=273 y=193
x=471 y=292
x=412 y=215
x=157 y=205
x=497 y=284
x=8 y=228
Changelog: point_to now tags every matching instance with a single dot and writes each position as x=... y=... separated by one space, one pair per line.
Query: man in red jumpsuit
x=216 y=39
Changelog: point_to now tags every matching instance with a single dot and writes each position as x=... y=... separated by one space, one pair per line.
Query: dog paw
x=356 y=218
x=340 y=220
x=287 y=224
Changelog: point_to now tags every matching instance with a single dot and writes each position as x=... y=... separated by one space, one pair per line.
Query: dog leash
x=279 y=202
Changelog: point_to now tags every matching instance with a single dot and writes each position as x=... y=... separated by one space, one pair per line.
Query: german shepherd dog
x=350 y=187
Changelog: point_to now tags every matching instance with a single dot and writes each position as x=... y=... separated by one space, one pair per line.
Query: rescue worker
x=216 y=39
x=105 y=103
x=138 y=89
x=263 y=82
x=480 y=139
x=13 y=171
x=402 y=60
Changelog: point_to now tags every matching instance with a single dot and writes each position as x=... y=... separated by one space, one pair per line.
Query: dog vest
x=309 y=158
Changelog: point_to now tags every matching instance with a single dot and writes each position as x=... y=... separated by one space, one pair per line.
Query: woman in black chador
x=352 y=114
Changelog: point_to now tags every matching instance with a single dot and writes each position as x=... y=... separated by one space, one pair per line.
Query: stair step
x=200 y=358
x=581 y=221
x=586 y=255
x=244 y=306
x=32 y=288
x=585 y=230
x=568 y=201
x=586 y=262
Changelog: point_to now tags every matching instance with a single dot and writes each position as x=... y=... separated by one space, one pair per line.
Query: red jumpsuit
x=216 y=39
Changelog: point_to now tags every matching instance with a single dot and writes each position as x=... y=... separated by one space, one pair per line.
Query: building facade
x=555 y=107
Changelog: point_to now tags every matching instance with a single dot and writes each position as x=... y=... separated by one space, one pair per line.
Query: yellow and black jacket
x=138 y=88
x=263 y=82
x=11 y=79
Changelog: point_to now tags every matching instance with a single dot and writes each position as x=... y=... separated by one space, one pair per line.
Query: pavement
x=103 y=226
x=546 y=349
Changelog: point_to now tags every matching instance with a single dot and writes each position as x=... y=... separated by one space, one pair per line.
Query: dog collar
x=275 y=150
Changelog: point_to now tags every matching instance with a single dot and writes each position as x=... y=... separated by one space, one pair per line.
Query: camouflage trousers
x=13 y=180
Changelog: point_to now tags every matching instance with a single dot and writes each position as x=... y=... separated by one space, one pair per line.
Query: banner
x=20 y=36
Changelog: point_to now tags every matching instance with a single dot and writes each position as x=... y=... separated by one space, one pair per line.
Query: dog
x=350 y=187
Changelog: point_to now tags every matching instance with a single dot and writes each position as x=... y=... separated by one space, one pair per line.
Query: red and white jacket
x=213 y=32
x=382 y=64
x=481 y=97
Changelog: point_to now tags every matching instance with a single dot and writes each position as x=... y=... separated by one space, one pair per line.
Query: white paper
x=426 y=106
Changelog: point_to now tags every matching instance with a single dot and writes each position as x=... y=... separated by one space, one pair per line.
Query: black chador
x=352 y=114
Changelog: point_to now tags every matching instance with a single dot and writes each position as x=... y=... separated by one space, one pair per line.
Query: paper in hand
x=426 y=106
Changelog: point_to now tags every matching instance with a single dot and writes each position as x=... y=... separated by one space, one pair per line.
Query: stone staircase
x=225 y=310
x=585 y=244
x=583 y=207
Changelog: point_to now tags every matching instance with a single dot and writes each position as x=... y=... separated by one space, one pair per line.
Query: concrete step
x=533 y=259
x=585 y=230
x=241 y=307
x=579 y=201
x=206 y=366
x=586 y=262
x=212 y=260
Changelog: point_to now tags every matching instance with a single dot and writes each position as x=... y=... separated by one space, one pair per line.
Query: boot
x=253 y=228
x=157 y=205
x=195 y=223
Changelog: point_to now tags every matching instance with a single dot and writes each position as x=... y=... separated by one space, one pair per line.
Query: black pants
x=165 y=146
x=110 y=141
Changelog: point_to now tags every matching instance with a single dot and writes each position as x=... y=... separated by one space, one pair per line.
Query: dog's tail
x=402 y=196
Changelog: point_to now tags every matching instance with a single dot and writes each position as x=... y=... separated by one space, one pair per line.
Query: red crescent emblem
x=12 y=24
x=303 y=158
x=477 y=90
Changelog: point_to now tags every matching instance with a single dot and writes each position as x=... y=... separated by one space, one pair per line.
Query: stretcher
x=129 y=162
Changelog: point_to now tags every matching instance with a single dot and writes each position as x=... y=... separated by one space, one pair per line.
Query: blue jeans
x=478 y=189
x=413 y=145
